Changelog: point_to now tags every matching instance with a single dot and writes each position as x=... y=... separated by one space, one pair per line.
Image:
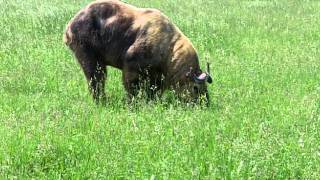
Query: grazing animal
x=141 y=42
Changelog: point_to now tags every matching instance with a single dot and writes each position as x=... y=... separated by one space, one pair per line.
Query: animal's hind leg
x=94 y=70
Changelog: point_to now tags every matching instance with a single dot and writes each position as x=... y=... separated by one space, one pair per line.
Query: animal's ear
x=202 y=78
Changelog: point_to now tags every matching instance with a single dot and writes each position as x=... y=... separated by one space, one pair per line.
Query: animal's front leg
x=131 y=83
x=154 y=87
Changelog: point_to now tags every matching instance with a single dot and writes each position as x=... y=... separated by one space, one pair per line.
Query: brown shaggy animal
x=141 y=42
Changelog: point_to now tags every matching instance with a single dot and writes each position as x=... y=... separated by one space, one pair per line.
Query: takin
x=141 y=42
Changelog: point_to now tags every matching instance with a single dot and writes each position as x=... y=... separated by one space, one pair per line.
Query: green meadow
x=263 y=122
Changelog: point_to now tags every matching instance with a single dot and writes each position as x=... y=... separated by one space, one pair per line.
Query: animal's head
x=197 y=86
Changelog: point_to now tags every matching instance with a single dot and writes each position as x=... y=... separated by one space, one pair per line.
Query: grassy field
x=264 y=121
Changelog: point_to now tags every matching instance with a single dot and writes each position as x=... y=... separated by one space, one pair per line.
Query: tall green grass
x=263 y=122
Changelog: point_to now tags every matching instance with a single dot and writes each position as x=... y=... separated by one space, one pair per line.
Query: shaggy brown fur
x=142 y=43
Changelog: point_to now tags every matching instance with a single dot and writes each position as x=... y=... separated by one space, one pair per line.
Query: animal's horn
x=208 y=67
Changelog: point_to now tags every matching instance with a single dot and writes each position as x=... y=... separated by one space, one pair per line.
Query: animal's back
x=120 y=32
x=101 y=23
